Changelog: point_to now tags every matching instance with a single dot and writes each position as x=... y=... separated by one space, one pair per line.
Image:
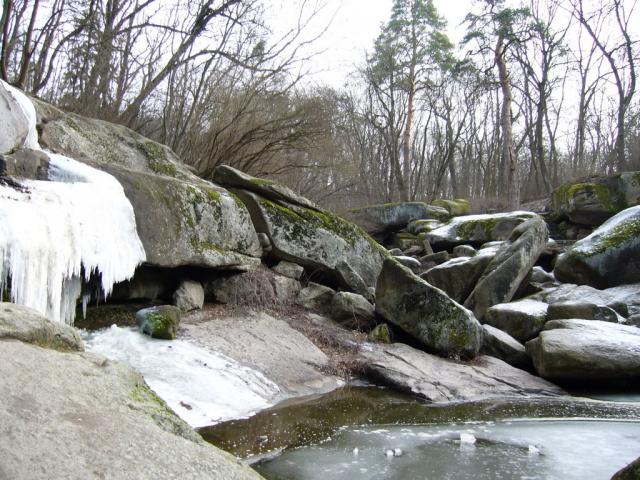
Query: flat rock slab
x=264 y=343
x=586 y=350
x=81 y=416
x=440 y=380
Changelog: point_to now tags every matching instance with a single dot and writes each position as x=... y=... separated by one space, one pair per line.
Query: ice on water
x=54 y=231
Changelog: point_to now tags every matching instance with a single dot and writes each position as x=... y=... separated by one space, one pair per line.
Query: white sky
x=355 y=25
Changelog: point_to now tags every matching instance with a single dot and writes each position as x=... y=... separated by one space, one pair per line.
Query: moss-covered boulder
x=595 y=200
x=476 y=229
x=426 y=313
x=159 y=322
x=608 y=257
x=316 y=240
x=232 y=178
x=388 y=217
x=523 y=320
x=511 y=265
x=456 y=208
x=29 y=326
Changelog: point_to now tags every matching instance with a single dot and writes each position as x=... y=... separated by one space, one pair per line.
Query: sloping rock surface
x=608 y=257
x=441 y=380
x=426 y=313
x=387 y=217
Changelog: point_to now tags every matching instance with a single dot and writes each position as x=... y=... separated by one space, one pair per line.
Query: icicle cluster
x=53 y=231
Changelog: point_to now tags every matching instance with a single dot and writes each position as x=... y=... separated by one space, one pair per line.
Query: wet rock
x=189 y=296
x=159 y=322
x=610 y=256
x=27 y=325
x=501 y=345
x=352 y=311
x=506 y=271
x=426 y=312
x=441 y=380
x=586 y=350
x=583 y=310
x=288 y=269
x=316 y=297
x=523 y=320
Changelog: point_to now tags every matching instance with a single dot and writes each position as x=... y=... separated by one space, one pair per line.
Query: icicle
x=85 y=301
x=54 y=230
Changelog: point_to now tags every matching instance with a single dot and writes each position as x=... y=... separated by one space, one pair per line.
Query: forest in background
x=540 y=92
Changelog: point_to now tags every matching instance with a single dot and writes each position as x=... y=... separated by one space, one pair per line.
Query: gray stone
x=629 y=472
x=624 y=299
x=250 y=288
x=458 y=276
x=352 y=311
x=634 y=320
x=426 y=312
x=159 y=322
x=413 y=251
x=285 y=289
x=586 y=350
x=316 y=297
x=14 y=123
x=288 y=269
x=233 y=178
x=381 y=333
x=441 y=380
x=610 y=256
x=435 y=258
x=396 y=252
x=29 y=326
x=593 y=201
x=189 y=296
x=55 y=406
x=316 y=240
x=265 y=243
x=265 y=343
x=477 y=229
x=464 y=251
x=350 y=277
x=539 y=275
x=523 y=320
x=506 y=271
x=25 y=163
x=456 y=207
x=583 y=310
x=376 y=219
x=409 y=262
x=501 y=345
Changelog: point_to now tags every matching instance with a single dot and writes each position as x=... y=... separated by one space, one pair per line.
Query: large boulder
x=459 y=276
x=159 y=322
x=624 y=299
x=476 y=229
x=27 y=325
x=352 y=310
x=388 y=217
x=608 y=257
x=523 y=320
x=316 y=297
x=54 y=406
x=511 y=265
x=597 y=199
x=181 y=219
x=501 y=345
x=316 y=240
x=583 y=310
x=426 y=312
x=441 y=380
x=233 y=178
x=586 y=350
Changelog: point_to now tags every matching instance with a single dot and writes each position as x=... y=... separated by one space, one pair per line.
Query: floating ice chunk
x=467 y=439
x=533 y=450
x=201 y=386
x=356 y=451
x=54 y=232
x=389 y=453
x=397 y=452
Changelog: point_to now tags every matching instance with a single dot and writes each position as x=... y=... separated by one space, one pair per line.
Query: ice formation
x=54 y=232
x=201 y=386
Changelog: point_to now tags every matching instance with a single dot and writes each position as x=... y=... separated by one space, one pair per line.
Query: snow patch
x=56 y=232
x=201 y=386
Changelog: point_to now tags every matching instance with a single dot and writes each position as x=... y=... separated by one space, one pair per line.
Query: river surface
x=373 y=433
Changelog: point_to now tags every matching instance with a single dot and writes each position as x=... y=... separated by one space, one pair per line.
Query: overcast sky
x=355 y=25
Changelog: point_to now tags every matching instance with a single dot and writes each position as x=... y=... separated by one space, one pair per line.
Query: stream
x=363 y=432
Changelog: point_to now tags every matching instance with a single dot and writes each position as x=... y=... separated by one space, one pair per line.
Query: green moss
x=201 y=246
x=616 y=237
x=213 y=195
x=152 y=403
x=468 y=229
x=261 y=181
x=157 y=158
x=563 y=197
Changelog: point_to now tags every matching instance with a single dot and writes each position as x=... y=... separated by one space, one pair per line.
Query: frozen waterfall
x=54 y=232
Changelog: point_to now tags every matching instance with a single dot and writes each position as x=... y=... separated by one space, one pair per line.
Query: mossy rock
x=159 y=322
x=381 y=333
x=389 y=217
x=317 y=240
x=456 y=208
x=608 y=257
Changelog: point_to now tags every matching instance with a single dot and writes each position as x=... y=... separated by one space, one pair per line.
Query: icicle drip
x=80 y=221
x=85 y=301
